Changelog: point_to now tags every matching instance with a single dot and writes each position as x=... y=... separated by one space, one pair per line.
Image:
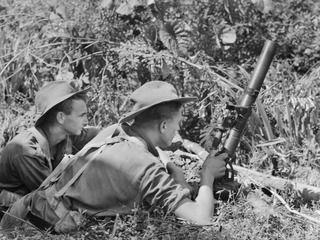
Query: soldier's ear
x=60 y=117
x=163 y=126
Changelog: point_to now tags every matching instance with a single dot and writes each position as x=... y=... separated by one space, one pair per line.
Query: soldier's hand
x=215 y=164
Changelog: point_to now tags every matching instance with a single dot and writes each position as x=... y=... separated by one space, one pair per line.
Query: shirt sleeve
x=30 y=169
x=158 y=188
x=86 y=135
x=33 y=171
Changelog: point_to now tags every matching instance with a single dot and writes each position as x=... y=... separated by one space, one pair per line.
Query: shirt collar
x=134 y=132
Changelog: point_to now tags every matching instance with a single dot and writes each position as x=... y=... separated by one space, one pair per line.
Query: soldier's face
x=77 y=119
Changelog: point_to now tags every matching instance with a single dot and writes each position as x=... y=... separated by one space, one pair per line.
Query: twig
x=17 y=71
x=294 y=211
x=92 y=43
x=265 y=120
x=271 y=142
x=33 y=73
x=207 y=69
x=11 y=60
x=115 y=226
x=19 y=14
x=87 y=56
x=50 y=45
x=208 y=96
x=38 y=47
x=312 y=219
x=292 y=131
x=43 y=61
x=49 y=51
x=63 y=43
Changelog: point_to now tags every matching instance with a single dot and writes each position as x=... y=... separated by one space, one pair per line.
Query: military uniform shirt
x=26 y=161
x=124 y=175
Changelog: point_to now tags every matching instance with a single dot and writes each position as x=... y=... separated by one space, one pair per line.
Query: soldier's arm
x=178 y=175
x=175 y=171
x=200 y=211
x=26 y=166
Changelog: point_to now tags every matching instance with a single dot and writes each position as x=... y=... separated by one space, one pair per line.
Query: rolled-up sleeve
x=158 y=188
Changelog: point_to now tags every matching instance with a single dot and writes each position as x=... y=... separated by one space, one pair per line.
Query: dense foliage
x=205 y=48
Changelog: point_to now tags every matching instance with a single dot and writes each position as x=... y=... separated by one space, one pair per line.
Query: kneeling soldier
x=124 y=171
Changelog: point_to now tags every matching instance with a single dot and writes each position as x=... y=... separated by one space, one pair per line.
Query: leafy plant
x=207 y=49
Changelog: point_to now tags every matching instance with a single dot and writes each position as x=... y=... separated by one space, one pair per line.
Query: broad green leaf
x=54 y=17
x=259 y=4
x=167 y=37
x=174 y=36
x=268 y=6
x=165 y=69
x=264 y=6
x=125 y=9
x=135 y=3
x=228 y=35
x=52 y=3
x=64 y=76
x=151 y=33
x=106 y=3
x=62 y=11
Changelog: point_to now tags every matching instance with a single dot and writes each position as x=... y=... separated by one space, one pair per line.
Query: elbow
x=194 y=212
x=201 y=217
x=198 y=219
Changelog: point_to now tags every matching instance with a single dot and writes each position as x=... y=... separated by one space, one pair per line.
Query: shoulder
x=104 y=133
x=122 y=163
x=127 y=156
x=121 y=147
x=25 y=143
